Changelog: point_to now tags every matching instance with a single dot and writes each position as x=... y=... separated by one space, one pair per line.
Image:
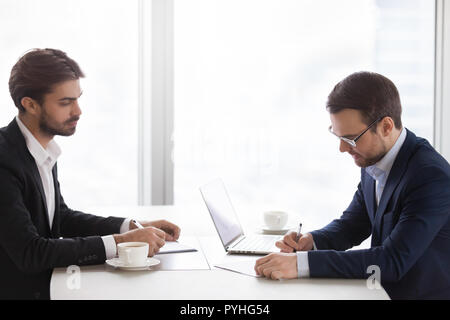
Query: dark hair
x=374 y=95
x=38 y=71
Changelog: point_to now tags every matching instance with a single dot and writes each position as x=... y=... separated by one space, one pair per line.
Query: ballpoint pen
x=298 y=232
x=137 y=224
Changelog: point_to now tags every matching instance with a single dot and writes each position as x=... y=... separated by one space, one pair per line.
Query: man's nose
x=344 y=146
x=77 y=110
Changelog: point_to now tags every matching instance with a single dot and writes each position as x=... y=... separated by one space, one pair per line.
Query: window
x=98 y=165
x=250 y=81
x=250 y=84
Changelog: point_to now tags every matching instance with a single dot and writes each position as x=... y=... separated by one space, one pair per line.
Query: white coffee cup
x=133 y=253
x=275 y=220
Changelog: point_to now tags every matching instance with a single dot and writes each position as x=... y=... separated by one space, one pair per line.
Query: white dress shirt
x=45 y=160
x=379 y=172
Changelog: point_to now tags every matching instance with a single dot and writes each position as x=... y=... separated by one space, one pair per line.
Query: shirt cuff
x=110 y=243
x=314 y=246
x=125 y=225
x=110 y=246
x=302 y=264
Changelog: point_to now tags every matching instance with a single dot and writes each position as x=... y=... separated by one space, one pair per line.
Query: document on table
x=175 y=247
x=246 y=267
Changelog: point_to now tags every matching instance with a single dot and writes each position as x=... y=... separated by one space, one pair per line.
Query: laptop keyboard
x=256 y=243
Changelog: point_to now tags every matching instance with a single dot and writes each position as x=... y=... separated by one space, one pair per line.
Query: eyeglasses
x=352 y=142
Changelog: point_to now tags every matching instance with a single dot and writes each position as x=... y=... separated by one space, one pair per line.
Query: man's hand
x=288 y=244
x=172 y=231
x=153 y=236
x=277 y=266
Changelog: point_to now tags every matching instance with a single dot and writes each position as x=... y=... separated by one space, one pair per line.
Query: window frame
x=155 y=123
x=442 y=80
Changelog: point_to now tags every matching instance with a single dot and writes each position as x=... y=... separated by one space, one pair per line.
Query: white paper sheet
x=175 y=247
x=246 y=267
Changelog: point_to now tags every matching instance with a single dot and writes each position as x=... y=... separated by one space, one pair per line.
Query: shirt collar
x=382 y=168
x=39 y=154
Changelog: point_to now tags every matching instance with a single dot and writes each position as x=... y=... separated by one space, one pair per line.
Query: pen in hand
x=137 y=224
x=298 y=233
x=140 y=226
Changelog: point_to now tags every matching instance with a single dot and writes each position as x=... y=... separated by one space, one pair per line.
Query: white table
x=103 y=282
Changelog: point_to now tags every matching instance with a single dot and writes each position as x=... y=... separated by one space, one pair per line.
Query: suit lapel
x=55 y=227
x=369 y=196
x=16 y=137
x=38 y=181
x=395 y=175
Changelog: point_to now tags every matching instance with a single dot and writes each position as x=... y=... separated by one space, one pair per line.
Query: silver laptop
x=227 y=224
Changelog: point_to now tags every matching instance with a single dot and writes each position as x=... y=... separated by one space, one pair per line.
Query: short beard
x=371 y=161
x=50 y=130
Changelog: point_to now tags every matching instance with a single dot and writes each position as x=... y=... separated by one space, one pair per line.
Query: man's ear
x=30 y=105
x=387 y=125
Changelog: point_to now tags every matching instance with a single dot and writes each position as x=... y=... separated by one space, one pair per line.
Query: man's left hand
x=277 y=266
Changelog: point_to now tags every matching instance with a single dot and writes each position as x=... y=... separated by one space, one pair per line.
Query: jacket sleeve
x=76 y=223
x=29 y=251
x=352 y=228
x=425 y=211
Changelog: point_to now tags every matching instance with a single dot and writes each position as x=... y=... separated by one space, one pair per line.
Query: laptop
x=227 y=224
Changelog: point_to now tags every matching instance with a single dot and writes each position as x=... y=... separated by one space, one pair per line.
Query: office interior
x=178 y=93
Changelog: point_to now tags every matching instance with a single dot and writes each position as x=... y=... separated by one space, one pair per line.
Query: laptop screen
x=222 y=212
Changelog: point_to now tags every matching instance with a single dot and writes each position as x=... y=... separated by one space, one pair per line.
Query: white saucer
x=117 y=263
x=268 y=230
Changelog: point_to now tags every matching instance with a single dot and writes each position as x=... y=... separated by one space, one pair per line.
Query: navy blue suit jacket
x=410 y=228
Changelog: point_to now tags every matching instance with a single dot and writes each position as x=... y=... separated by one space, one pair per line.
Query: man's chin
x=68 y=133
x=364 y=163
x=360 y=163
x=65 y=133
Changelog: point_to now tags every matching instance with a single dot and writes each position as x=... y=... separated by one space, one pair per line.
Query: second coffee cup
x=275 y=220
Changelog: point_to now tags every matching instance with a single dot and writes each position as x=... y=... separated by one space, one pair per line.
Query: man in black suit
x=38 y=231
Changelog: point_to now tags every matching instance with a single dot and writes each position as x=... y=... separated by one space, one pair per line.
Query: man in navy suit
x=402 y=200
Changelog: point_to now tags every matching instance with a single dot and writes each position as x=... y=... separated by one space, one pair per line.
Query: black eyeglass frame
x=352 y=142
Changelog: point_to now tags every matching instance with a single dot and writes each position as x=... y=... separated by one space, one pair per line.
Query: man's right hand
x=288 y=244
x=153 y=236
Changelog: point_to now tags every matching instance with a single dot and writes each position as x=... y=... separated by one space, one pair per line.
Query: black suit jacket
x=29 y=248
